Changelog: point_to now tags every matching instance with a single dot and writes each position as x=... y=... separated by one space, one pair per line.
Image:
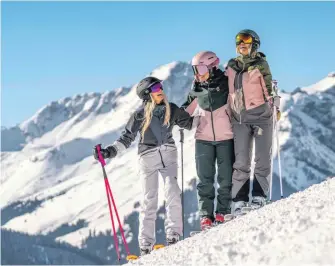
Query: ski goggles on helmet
x=245 y=38
x=156 y=87
x=200 y=70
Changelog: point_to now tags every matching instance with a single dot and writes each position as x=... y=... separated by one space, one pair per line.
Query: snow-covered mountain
x=51 y=184
x=307 y=133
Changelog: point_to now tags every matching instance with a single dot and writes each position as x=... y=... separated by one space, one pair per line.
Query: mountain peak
x=321 y=86
x=165 y=71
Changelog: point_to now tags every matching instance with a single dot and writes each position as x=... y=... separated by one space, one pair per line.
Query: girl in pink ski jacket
x=214 y=144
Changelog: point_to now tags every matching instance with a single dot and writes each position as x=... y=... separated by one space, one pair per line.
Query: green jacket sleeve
x=266 y=72
x=188 y=101
x=181 y=117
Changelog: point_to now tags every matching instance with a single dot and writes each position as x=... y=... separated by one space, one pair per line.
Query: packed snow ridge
x=298 y=230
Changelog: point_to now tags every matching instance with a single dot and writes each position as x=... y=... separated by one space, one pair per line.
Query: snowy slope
x=298 y=230
x=51 y=183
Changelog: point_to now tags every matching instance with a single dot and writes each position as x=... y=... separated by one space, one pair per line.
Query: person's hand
x=196 y=86
x=109 y=152
x=278 y=115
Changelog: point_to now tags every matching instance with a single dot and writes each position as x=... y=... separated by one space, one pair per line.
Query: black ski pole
x=182 y=174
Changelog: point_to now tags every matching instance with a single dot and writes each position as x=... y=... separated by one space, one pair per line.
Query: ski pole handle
x=181 y=135
x=101 y=159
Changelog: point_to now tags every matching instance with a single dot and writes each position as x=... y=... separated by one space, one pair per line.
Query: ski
x=158 y=246
x=246 y=210
x=227 y=218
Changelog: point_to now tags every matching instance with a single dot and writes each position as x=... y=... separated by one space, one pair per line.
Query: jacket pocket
x=170 y=147
x=147 y=152
x=222 y=123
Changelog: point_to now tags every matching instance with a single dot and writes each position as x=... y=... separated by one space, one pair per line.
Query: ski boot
x=257 y=202
x=237 y=208
x=219 y=219
x=145 y=249
x=206 y=223
x=172 y=238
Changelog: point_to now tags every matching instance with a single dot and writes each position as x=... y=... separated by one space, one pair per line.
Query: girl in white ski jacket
x=157 y=154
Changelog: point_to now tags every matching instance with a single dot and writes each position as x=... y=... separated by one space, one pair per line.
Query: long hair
x=148 y=112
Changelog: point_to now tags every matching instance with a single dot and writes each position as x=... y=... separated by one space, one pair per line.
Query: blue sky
x=52 y=50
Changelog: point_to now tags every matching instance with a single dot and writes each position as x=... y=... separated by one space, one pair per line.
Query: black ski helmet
x=256 y=42
x=143 y=87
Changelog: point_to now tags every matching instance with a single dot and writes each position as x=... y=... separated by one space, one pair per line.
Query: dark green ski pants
x=207 y=155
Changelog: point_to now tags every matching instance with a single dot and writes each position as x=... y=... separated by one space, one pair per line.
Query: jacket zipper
x=228 y=116
x=161 y=158
x=238 y=75
x=210 y=106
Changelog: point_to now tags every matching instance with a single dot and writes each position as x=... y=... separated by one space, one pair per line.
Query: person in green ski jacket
x=251 y=102
x=214 y=137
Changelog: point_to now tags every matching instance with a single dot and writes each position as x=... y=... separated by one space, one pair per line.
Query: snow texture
x=298 y=230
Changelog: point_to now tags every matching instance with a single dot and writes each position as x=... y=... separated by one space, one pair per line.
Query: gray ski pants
x=161 y=160
x=243 y=140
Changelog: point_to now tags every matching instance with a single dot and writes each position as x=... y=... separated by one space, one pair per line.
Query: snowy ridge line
x=298 y=230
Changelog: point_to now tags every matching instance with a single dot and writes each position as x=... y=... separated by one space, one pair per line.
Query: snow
x=322 y=85
x=298 y=230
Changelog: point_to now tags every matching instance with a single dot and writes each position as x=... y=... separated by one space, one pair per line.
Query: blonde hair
x=148 y=112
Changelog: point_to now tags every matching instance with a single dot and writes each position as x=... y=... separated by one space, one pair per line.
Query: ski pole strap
x=101 y=159
x=181 y=135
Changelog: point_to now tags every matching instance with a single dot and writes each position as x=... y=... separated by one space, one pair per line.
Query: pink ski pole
x=110 y=197
x=103 y=163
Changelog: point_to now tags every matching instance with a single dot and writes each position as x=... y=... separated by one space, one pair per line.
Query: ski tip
x=246 y=209
x=131 y=257
x=228 y=217
x=193 y=233
x=158 y=246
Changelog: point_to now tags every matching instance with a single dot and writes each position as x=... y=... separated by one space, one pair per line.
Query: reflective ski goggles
x=245 y=38
x=200 y=70
x=156 y=87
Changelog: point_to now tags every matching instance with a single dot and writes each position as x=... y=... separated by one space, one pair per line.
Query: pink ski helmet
x=203 y=63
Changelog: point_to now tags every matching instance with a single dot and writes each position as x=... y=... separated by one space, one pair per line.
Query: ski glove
x=276 y=103
x=278 y=115
x=109 y=152
x=196 y=86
